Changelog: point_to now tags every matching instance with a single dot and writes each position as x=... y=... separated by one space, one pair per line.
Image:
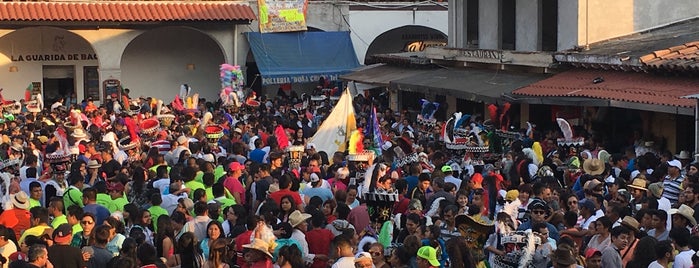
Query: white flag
x=333 y=133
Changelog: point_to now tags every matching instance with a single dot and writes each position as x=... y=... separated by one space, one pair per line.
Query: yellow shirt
x=35 y=231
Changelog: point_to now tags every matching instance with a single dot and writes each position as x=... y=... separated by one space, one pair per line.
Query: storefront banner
x=282 y=15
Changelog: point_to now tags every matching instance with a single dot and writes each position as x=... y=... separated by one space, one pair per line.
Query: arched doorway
x=52 y=61
x=410 y=38
x=158 y=61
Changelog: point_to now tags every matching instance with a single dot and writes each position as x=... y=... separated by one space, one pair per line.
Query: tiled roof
x=683 y=57
x=617 y=86
x=624 y=53
x=125 y=11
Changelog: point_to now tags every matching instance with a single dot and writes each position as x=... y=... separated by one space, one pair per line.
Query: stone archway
x=51 y=59
x=409 y=38
x=158 y=61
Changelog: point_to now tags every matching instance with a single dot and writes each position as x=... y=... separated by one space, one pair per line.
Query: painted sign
x=282 y=15
x=421 y=45
x=54 y=57
x=300 y=78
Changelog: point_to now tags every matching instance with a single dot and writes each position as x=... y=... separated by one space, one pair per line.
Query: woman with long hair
x=187 y=254
x=644 y=253
x=165 y=237
x=290 y=257
x=144 y=222
x=135 y=189
x=459 y=254
x=150 y=158
x=400 y=258
x=217 y=257
x=286 y=207
x=129 y=248
x=236 y=217
x=214 y=231
x=116 y=235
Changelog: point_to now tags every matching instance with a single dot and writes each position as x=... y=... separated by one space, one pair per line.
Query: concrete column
x=451 y=106
x=568 y=23
x=489 y=34
x=457 y=23
x=523 y=115
x=528 y=25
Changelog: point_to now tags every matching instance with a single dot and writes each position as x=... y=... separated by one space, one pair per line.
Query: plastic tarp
x=302 y=57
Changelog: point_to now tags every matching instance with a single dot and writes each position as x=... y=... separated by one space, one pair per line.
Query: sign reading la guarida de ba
x=54 y=57
x=282 y=15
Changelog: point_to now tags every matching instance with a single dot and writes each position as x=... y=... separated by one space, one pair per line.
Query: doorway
x=59 y=82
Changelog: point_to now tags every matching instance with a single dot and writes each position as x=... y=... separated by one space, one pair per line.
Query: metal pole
x=696 y=131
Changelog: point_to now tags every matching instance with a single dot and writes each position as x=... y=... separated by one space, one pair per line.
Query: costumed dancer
x=475 y=230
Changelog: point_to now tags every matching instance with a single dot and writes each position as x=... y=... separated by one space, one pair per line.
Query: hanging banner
x=282 y=15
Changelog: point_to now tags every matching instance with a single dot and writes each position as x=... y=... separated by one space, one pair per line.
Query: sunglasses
x=538 y=212
x=87 y=222
x=375 y=253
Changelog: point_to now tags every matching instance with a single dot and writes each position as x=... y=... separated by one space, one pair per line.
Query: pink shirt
x=234 y=186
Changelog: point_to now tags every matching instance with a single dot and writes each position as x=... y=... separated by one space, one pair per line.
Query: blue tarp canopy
x=302 y=57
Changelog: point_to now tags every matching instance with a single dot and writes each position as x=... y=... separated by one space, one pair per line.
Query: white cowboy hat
x=259 y=244
x=683 y=155
x=79 y=133
x=20 y=200
x=686 y=212
x=296 y=218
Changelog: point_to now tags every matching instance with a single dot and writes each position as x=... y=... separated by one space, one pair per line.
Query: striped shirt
x=447 y=234
x=672 y=188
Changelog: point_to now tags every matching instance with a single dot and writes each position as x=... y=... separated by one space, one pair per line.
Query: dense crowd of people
x=88 y=186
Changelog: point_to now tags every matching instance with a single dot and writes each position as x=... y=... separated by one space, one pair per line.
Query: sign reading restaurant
x=53 y=57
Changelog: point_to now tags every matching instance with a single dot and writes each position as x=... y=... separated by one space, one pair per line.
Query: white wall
x=367 y=25
x=154 y=64
x=39 y=41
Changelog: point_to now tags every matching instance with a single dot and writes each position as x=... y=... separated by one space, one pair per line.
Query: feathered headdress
x=568 y=139
x=62 y=137
x=205 y=120
x=132 y=141
x=356 y=144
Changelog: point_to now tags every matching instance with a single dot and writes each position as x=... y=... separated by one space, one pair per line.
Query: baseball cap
x=675 y=163
x=537 y=203
x=592 y=252
x=235 y=165
x=430 y=254
x=119 y=187
x=63 y=233
x=446 y=168
x=592 y=184
x=314 y=177
x=511 y=195
x=587 y=203
x=182 y=140
x=208 y=158
x=310 y=146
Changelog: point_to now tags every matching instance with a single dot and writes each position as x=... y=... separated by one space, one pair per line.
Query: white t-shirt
x=344 y=262
x=7 y=250
x=655 y=264
x=683 y=259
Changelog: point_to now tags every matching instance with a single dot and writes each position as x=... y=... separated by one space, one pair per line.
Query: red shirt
x=277 y=196
x=402 y=205
x=234 y=186
x=240 y=240
x=17 y=219
x=359 y=218
x=319 y=243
